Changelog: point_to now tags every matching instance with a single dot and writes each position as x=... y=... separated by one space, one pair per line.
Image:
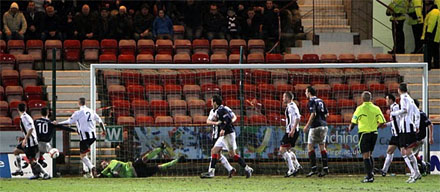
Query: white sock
x=18 y=159
x=288 y=159
x=87 y=163
x=225 y=163
x=387 y=163
x=294 y=159
x=408 y=163
x=414 y=163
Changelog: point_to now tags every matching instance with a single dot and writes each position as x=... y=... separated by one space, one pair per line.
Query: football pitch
x=222 y=183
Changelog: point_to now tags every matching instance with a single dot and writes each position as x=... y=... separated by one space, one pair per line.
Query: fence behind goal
x=170 y=103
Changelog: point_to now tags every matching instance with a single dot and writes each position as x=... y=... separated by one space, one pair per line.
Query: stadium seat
x=247 y=75
x=292 y=58
x=28 y=77
x=2 y=46
x=280 y=89
x=35 y=48
x=178 y=107
x=112 y=77
x=200 y=120
x=49 y=45
x=272 y=106
x=219 y=58
x=90 y=49
x=347 y=58
x=260 y=76
x=126 y=121
x=145 y=46
x=109 y=46
x=164 y=121
x=25 y=62
x=229 y=91
x=239 y=120
x=381 y=102
x=182 y=120
x=33 y=93
x=346 y=105
x=13 y=108
x=187 y=76
x=2 y=93
x=205 y=76
x=200 y=46
x=144 y=121
x=164 y=46
x=340 y=91
x=173 y=92
x=200 y=58
x=126 y=59
x=4 y=109
x=196 y=107
x=365 y=58
x=323 y=91
x=35 y=106
x=377 y=89
x=16 y=122
x=300 y=90
x=182 y=58
x=329 y=58
x=331 y=105
x=257 y=120
x=7 y=61
x=208 y=90
x=255 y=58
x=149 y=76
x=274 y=58
x=120 y=107
x=391 y=75
x=168 y=76
x=334 y=76
x=140 y=107
x=298 y=76
x=16 y=47
x=346 y=117
x=144 y=59
x=266 y=91
x=72 y=50
x=159 y=107
x=107 y=58
x=178 y=31
x=9 y=77
x=182 y=46
x=154 y=92
x=235 y=58
x=256 y=46
x=353 y=76
x=135 y=92
x=316 y=76
x=5 y=121
x=233 y=104
x=163 y=59
x=219 y=46
x=235 y=44
x=116 y=92
x=250 y=91
x=357 y=89
x=224 y=77
x=127 y=47
x=191 y=92
x=392 y=87
x=384 y=58
x=333 y=118
x=310 y=58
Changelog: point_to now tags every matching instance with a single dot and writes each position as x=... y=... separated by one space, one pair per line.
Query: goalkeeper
x=138 y=168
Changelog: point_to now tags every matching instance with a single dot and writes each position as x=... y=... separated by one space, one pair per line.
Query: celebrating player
x=292 y=132
x=409 y=122
x=318 y=131
x=85 y=121
x=421 y=135
x=226 y=140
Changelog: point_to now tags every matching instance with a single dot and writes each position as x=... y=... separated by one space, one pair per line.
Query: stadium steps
x=324 y=15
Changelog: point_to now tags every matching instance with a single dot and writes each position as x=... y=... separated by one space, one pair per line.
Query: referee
x=368 y=117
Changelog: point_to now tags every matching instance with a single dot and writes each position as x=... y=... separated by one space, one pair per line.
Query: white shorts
x=44 y=147
x=317 y=135
x=227 y=142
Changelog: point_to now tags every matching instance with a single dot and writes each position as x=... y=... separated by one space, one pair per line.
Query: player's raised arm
x=71 y=120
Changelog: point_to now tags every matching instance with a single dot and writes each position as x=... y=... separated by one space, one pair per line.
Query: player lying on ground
x=138 y=168
x=421 y=135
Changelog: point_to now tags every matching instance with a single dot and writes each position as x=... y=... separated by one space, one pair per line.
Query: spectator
x=124 y=24
x=233 y=24
x=192 y=20
x=105 y=24
x=270 y=21
x=143 y=23
x=213 y=24
x=51 y=25
x=251 y=26
x=85 y=24
x=39 y=5
x=162 y=26
x=292 y=28
x=68 y=28
x=33 y=20
x=14 y=23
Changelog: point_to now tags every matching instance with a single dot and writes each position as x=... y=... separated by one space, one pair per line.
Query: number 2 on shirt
x=88 y=116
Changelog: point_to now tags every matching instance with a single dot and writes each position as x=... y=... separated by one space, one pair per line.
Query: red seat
x=127 y=47
x=159 y=108
x=340 y=91
x=163 y=58
x=164 y=121
x=2 y=46
x=178 y=107
x=116 y=92
x=35 y=48
x=109 y=46
x=266 y=91
x=224 y=77
x=347 y=58
x=332 y=106
x=7 y=61
x=292 y=58
x=261 y=76
x=219 y=46
x=250 y=91
x=332 y=118
x=168 y=76
x=234 y=104
x=200 y=46
x=33 y=93
x=126 y=59
x=107 y=58
x=178 y=31
x=182 y=120
x=164 y=46
x=281 y=89
x=9 y=77
x=235 y=59
x=25 y=62
x=149 y=76
x=219 y=58
x=257 y=120
x=365 y=58
x=300 y=90
x=229 y=91
x=200 y=119
x=72 y=50
x=384 y=58
x=378 y=89
x=140 y=107
x=200 y=58
x=13 y=108
x=182 y=46
x=144 y=121
x=4 y=108
x=274 y=58
x=182 y=58
x=256 y=46
x=154 y=92
x=235 y=44
x=310 y=58
x=28 y=78
x=144 y=58
x=208 y=90
x=329 y=58
x=255 y=58
x=381 y=102
x=2 y=93
x=121 y=108
x=346 y=104
x=272 y=106
x=247 y=75
x=5 y=121
x=173 y=91
x=126 y=121
x=357 y=89
x=112 y=77
x=135 y=92
x=323 y=91
x=276 y=119
x=90 y=49
x=16 y=47
x=35 y=107
x=50 y=45
x=191 y=91
x=187 y=76
x=145 y=46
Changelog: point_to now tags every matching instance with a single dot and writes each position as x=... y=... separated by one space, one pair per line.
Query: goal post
x=304 y=71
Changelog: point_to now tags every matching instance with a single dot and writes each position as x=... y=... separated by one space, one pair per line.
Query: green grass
x=222 y=183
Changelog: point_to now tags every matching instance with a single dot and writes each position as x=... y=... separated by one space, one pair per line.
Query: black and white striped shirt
x=409 y=115
x=292 y=114
x=26 y=125
x=85 y=120
x=394 y=123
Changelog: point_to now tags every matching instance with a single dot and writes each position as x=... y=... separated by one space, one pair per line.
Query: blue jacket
x=162 y=26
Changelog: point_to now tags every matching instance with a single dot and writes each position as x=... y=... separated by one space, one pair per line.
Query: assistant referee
x=368 y=117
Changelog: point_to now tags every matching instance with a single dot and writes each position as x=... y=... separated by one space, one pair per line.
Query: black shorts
x=20 y=147
x=394 y=141
x=289 y=141
x=421 y=135
x=31 y=152
x=407 y=139
x=84 y=145
x=143 y=170
x=367 y=141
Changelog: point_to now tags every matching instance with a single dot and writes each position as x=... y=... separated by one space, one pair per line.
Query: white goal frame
x=94 y=67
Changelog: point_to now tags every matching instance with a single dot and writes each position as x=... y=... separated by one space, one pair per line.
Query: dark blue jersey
x=46 y=129
x=225 y=115
x=424 y=123
x=317 y=106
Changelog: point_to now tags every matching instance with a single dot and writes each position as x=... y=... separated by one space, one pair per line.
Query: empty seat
x=35 y=48
x=353 y=76
x=49 y=45
x=292 y=58
x=219 y=46
x=126 y=59
x=177 y=107
x=35 y=107
x=131 y=77
x=173 y=92
x=346 y=105
x=107 y=58
x=140 y=107
x=235 y=59
x=164 y=46
x=229 y=91
x=154 y=92
x=347 y=58
x=391 y=75
x=25 y=62
x=4 y=108
x=196 y=107
x=357 y=89
x=384 y=58
x=178 y=31
x=200 y=58
x=377 y=89
x=332 y=106
x=257 y=120
x=224 y=77
x=275 y=119
x=266 y=91
x=149 y=76
x=127 y=47
x=274 y=58
x=346 y=117
x=208 y=90
x=16 y=47
x=300 y=91
x=144 y=121
x=135 y=92
x=2 y=93
x=280 y=89
x=90 y=49
x=381 y=102
x=310 y=58
x=200 y=46
x=9 y=77
x=329 y=58
x=250 y=91
x=112 y=77
x=332 y=119
x=191 y=92
x=168 y=76
x=323 y=91
x=7 y=61
x=13 y=108
x=144 y=58
x=5 y=121
x=256 y=46
x=116 y=92
x=126 y=121
x=2 y=46
x=145 y=46
x=28 y=77
x=33 y=93
x=164 y=120
x=163 y=58
x=365 y=58
x=233 y=104
x=72 y=50
x=182 y=58
x=121 y=108
x=334 y=76
x=200 y=119
x=187 y=76
x=219 y=58
x=159 y=107
x=260 y=76
x=340 y=91
x=235 y=44
x=109 y=46
x=255 y=58
x=272 y=106
x=182 y=46
x=182 y=120
x=392 y=87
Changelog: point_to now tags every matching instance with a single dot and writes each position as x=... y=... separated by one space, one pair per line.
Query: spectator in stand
x=85 y=24
x=51 y=25
x=143 y=23
x=233 y=25
x=124 y=24
x=162 y=26
x=270 y=21
x=214 y=24
x=39 y=5
x=68 y=28
x=33 y=20
x=251 y=26
x=192 y=20
x=105 y=25
x=14 y=23
x=291 y=29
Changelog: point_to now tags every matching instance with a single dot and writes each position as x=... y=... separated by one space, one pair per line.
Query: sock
x=368 y=168
x=294 y=159
x=225 y=163
x=169 y=164
x=214 y=158
x=312 y=157
x=408 y=163
x=152 y=154
x=387 y=163
x=87 y=162
x=419 y=160
x=240 y=160
x=324 y=159
x=288 y=159
x=18 y=159
x=414 y=163
x=85 y=168
x=37 y=168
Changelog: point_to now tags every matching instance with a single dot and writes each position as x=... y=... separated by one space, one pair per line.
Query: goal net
x=145 y=105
